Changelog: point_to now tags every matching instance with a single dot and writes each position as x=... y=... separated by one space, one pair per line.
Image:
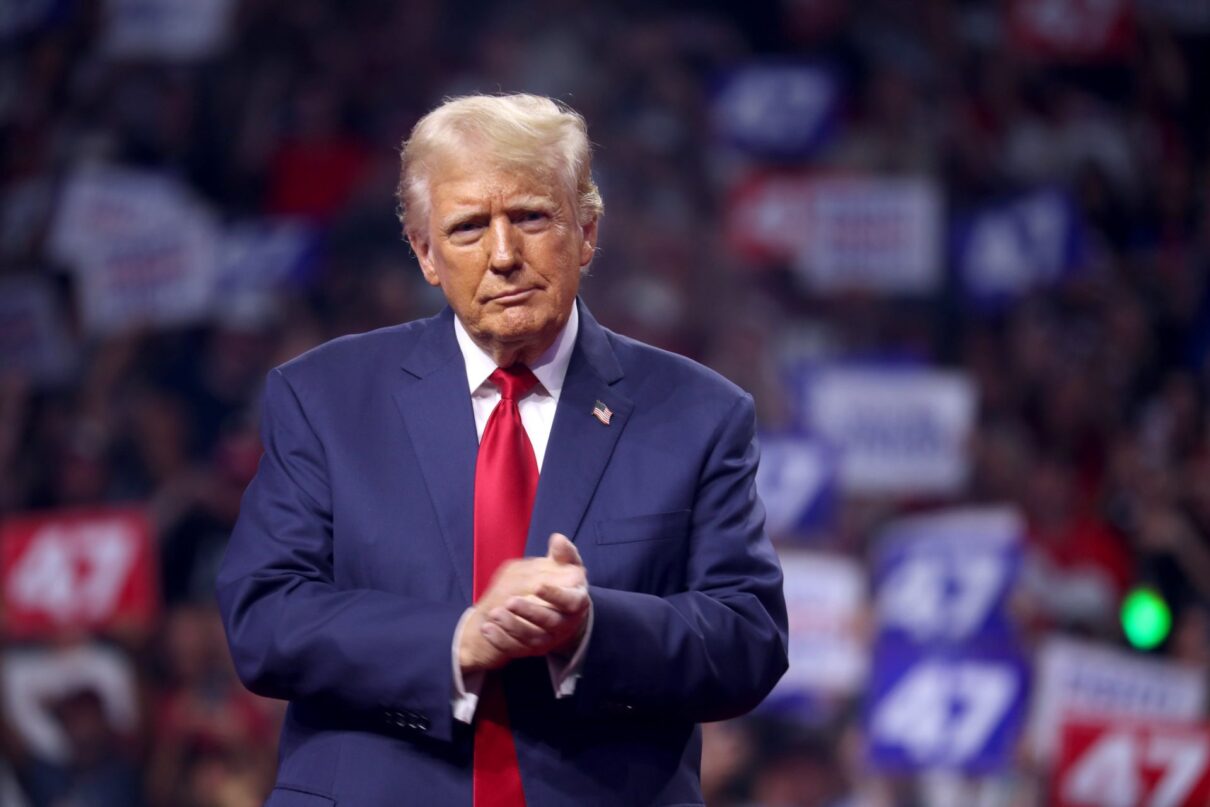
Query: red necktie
x=506 y=479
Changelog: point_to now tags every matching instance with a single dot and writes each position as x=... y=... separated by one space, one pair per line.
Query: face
x=506 y=247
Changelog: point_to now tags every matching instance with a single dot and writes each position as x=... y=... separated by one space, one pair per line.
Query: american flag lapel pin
x=602 y=412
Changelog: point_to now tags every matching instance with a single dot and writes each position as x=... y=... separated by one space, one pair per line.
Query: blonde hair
x=518 y=130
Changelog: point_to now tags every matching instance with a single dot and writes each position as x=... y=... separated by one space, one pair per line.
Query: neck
x=509 y=354
x=524 y=350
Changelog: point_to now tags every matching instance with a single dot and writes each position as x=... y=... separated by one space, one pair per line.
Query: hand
x=532 y=607
x=552 y=619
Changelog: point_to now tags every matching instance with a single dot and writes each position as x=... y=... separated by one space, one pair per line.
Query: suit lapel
x=436 y=409
x=580 y=445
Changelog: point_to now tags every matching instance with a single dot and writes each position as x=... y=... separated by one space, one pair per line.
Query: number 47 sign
x=76 y=570
x=959 y=711
x=1103 y=763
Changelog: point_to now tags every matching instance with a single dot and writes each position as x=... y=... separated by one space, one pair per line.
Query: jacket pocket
x=288 y=796
x=654 y=527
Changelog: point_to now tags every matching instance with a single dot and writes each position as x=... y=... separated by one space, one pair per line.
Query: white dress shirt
x=538 y=416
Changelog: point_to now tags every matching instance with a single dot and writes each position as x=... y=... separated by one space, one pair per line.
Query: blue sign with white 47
x=961 y=709
x=948 y=682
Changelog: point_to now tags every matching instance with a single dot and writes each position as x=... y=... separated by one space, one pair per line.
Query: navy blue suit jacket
x=351 y=565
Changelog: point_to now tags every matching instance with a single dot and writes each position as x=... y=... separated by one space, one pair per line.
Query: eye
x=531 y=217
x=466 y=229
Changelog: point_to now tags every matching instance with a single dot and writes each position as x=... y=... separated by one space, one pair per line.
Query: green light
x=1146 y=618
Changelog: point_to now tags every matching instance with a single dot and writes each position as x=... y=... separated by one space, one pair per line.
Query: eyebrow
x=467 y=211
x=459 y=216
x=532 y=200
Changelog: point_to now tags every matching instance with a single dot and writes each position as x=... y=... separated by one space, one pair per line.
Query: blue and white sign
x=962 y=709
x=876 y=233
x=1008 y=249
x=777 y=110
x=949 y=683
x=946 y=578
x=796 y=481
x=897 y=430
x=142 y=247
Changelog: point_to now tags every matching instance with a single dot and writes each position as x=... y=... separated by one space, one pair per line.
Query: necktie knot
x=514 y=382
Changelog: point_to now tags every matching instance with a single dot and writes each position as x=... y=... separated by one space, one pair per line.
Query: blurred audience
x=1093 y=389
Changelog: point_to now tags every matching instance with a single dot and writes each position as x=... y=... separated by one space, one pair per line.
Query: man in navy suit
x=643 y=596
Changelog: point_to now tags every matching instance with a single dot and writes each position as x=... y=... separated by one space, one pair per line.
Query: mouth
x=513 y=297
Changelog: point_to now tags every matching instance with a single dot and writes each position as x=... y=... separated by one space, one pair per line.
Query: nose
x=504 y=245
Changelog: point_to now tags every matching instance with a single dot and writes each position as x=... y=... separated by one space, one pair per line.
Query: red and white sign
x=842 y=233
x=1075 y=679
x=1074 y=30
x=1106 y=763
x=76 y=570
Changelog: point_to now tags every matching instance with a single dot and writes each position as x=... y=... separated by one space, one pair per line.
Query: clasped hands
x=533 y=607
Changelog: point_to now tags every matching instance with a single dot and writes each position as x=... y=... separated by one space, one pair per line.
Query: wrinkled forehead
x=469 y=180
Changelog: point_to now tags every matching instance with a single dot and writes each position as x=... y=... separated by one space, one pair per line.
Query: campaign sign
x=1008 y=249
x=946 y=578
x=826 y=606
x=1114 y=763
x=1080 y=679
x=796 y=481
x=896 y=430
x=101 y=203
x=777 y=110
x=766 y=217
x=879 y=234
x=143 y=249
x=948 y=685
x=961 y=709
x=34 y=338
x=1076 y=30
x=841 y=233
x=78 y=569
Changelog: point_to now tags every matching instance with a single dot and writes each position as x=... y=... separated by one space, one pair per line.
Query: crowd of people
x=1092 y=387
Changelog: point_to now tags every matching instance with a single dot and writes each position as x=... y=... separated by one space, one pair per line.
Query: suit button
x=617 y=708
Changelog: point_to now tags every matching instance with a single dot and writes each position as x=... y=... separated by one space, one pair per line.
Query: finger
x=560 y=549
x=498 y=638
x=565 y=577
x=567 y=599
x=524 y=631
x=537 y=612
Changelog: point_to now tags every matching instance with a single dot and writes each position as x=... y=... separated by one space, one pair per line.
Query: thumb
x=562 y=550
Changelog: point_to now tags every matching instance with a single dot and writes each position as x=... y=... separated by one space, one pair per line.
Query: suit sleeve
x=293 y=633
x=715 y=650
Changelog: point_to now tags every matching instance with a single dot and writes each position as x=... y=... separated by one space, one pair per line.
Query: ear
x=588 y=247
x=423 y=249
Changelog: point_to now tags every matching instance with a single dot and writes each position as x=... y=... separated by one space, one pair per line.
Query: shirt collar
x=550 y=368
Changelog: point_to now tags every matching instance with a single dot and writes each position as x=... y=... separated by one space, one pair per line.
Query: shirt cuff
x=465 y=699
x=565 y=672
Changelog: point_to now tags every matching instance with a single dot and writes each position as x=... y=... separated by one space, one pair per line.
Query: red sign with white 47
x=1108 y=763
x=76 y=570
